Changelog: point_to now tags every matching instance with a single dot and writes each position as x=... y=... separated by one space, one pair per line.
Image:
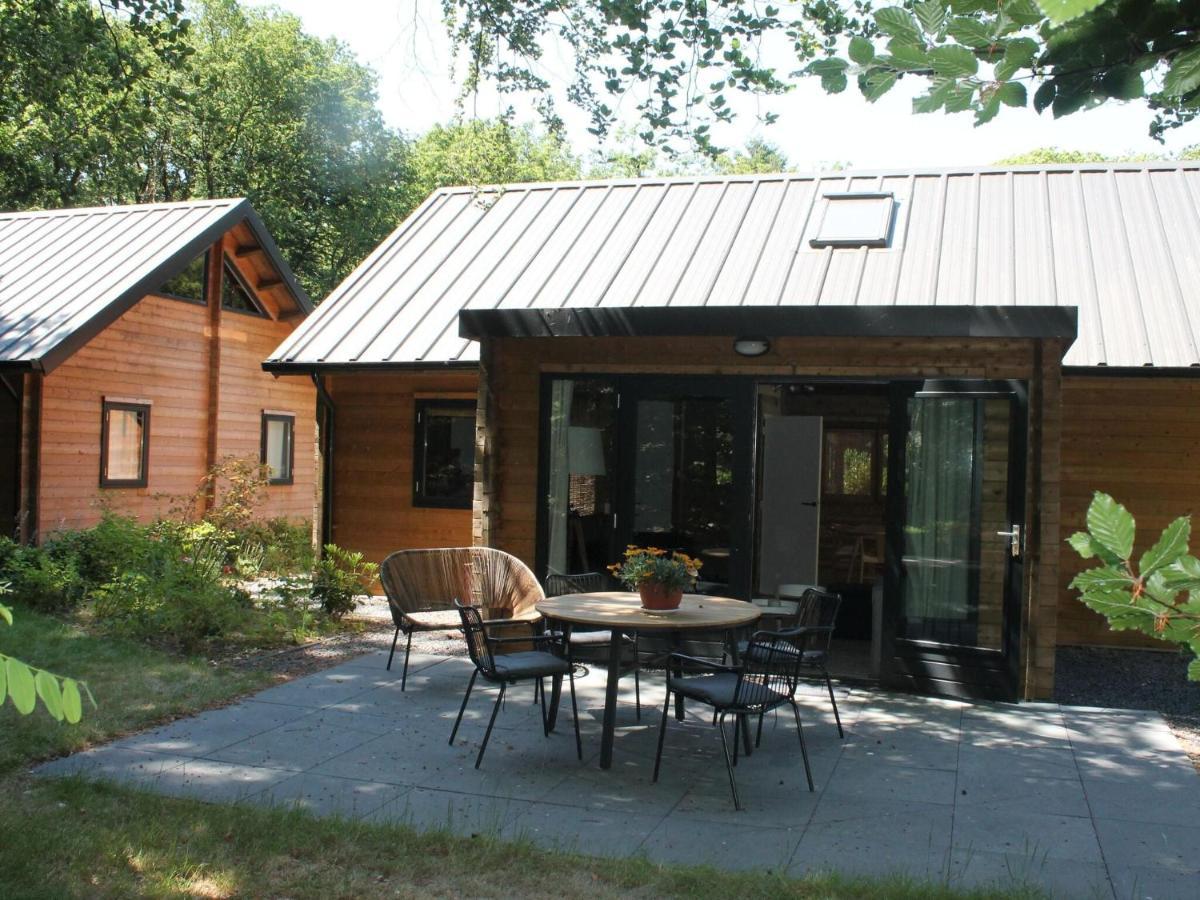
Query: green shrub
x=41 y=580
x=117 y=544
x=287 y=547
x=339 y=578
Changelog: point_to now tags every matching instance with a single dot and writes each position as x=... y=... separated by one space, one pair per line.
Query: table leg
x=556 y=683
x=677 y=640
x=610 y=698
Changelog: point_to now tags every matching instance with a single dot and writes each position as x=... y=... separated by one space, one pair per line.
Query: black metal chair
x=764 y=679
x=810 y=637
x=510 y=668
x=591 y=640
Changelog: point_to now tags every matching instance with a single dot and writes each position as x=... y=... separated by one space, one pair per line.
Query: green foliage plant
x=338 y=579
x=24 y=684
x=1158 y=595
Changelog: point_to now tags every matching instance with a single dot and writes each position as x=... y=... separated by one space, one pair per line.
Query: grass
x=74 y=838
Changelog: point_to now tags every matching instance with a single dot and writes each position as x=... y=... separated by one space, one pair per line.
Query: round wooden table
x=619 y=612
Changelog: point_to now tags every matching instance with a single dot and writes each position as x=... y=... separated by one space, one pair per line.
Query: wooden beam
x=266 y=284
x=30 y=458
x=215 y=272
x=243 y=250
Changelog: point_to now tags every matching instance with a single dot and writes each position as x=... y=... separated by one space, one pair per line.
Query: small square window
x=855 y=463
x=189 y=284
x=124 y=444
x=444 y=454
x=235 y=296
x=855 y=220
x=278 y=446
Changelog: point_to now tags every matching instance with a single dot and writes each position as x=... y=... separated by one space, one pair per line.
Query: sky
x=405 y=42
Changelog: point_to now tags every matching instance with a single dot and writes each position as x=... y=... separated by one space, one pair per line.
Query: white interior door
x=790 y=517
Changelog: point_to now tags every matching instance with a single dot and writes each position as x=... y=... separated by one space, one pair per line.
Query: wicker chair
x=423 y=585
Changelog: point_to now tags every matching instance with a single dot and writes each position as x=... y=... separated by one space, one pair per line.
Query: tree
x=1159 y=595
x=677 y=61
x=759 y=156
x=1042 y=156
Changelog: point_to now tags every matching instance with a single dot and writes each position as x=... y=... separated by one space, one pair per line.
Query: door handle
x=1014 y=537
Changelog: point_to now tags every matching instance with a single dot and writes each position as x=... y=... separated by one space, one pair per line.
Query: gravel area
x=1132 y=679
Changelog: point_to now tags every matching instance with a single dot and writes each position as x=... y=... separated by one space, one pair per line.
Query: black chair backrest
x=558 y=583
x=818 y=608
x=770 y=668
x=477 y=643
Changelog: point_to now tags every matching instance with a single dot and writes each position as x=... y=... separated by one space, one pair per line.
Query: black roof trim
x=286 y=367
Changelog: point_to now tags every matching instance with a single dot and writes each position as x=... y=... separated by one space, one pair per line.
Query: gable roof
x=1121 y=242
x=65 y=274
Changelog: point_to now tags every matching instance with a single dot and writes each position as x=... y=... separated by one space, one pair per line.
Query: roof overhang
x=288 y=367
x=1034 y=322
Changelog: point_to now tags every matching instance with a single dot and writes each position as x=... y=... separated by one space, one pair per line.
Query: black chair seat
x=531 y=664
x=718 y=690
x=811 y=657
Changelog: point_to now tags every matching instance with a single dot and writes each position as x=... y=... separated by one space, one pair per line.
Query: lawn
x=72 y=838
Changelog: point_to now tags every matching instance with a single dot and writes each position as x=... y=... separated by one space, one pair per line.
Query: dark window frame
x=107 y=406
x=876 y=239
x=203 y=301
x=288 y=419
x=230 y=270
x=420 y=423
x=878 y=463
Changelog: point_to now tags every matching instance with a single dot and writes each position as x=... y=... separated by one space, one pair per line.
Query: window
x=278 y=446
x=235 y=296
x=444 y=454
x=855 y=463
x=124 y=444
x=855 y=220
x=188 y=284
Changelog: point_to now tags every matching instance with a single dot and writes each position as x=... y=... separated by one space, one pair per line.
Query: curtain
x=940 y=481
x=559 y=497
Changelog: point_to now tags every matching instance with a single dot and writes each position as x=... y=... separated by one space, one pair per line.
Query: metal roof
x=67 y=273
x=1121 y=242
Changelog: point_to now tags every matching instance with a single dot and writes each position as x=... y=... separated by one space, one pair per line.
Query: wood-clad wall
x=372 y=490
x=161 y=352
x=506 y=502
x=1134 y=438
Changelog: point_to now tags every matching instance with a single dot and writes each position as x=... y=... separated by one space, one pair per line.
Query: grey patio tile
x=1026 y=834
x=595 y=832
x=1159 y=802
x=1060 y=878
x=899 y=748
x=397 y=758
x=625 y=788
x=778 y=797
x=435 y=810
x=1035 y=762
x=1146 y=883
x=217 y=782
x=868 y=778
x=377 y=662
x=324 y=795
x=113 y=763
x=1173 y=848
x=216 y=728
x=320 y=689
x=692 y=841
x=296 y=746
x=1005 y=792
x=883 y=837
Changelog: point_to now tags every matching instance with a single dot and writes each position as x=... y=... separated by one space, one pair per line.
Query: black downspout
x=325 y=408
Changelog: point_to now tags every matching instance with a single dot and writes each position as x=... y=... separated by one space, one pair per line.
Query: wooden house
x=131 y=342
x=905 y=384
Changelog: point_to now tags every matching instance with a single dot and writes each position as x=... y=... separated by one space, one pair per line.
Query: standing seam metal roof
x=1119 y=241
x=66 y=273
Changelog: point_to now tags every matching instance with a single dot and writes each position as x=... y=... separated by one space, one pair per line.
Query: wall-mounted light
x=746 y=346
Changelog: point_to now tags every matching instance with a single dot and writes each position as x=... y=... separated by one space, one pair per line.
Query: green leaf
x=1011 y=93
x=1194 y=669
x=1169 y=548
x=1123 y=83
x=21 y=686
x=1184 y=574
x=987 y=111
x=1044 y=96
x=3 y=680
x=5 y=613
x=960 y=96
x=1024 y=12
x=953 y=61
x=971 y=32
x=48 y=690
x=832 y=72
x=931 y=14
x=72 y=703
x=1184 y=75
x=876 y=83
x=1018 y=54
x=861 y=50
x=1111 y=525
x=1060 y=11
x=908 y=56
x=1082 y=543
x=899 y=23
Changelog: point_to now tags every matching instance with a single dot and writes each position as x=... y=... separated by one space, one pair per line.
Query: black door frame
x=928 y=666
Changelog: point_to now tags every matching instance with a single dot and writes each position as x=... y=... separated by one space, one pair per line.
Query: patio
x=1083 y=802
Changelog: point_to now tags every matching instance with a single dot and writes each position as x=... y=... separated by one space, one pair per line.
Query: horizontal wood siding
x=1134 y=438
x=372 y=473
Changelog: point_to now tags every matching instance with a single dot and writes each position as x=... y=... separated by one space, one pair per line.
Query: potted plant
x=659 y=576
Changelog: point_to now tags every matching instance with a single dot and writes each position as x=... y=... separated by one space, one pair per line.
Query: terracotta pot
x=658 y=596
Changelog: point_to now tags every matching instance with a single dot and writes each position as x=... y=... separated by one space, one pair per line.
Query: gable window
x=278 y=446
x=444 y=454
x=124 y=443
x=855 y=220
x=189 y=284
x=235 y=296
x=855 y=463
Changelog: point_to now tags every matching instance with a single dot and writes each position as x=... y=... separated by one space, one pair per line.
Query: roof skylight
x=855 y=220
